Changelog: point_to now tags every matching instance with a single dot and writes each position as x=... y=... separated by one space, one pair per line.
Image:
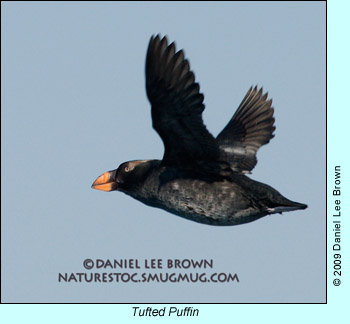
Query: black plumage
x=200 y=177
x=177 y=106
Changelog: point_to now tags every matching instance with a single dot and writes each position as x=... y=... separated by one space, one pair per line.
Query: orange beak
x=105 y=182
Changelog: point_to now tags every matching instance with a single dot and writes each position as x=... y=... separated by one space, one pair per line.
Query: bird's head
x=127 y=175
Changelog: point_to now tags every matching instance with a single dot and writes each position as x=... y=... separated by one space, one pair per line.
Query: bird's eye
x=126 y=169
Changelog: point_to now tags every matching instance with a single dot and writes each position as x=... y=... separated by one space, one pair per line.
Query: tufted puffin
x=200 y=178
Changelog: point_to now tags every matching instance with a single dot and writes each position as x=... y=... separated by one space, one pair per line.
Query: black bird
x=200 y=178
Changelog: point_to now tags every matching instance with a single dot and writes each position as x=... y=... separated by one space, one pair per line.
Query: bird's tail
x=286 y=206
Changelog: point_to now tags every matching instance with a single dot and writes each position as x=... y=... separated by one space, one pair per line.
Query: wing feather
x=177 y=106
x=251 y=126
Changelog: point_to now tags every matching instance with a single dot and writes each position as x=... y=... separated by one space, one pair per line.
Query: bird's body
x=206 y=199
x=200 y=178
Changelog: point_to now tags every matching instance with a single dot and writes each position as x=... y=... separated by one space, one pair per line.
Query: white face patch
x=132 y=164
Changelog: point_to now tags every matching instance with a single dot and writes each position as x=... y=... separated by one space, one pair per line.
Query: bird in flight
x=200 y=178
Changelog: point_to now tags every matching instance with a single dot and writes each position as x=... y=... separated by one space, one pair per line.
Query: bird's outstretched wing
x=251 y=126
x=177 y=106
